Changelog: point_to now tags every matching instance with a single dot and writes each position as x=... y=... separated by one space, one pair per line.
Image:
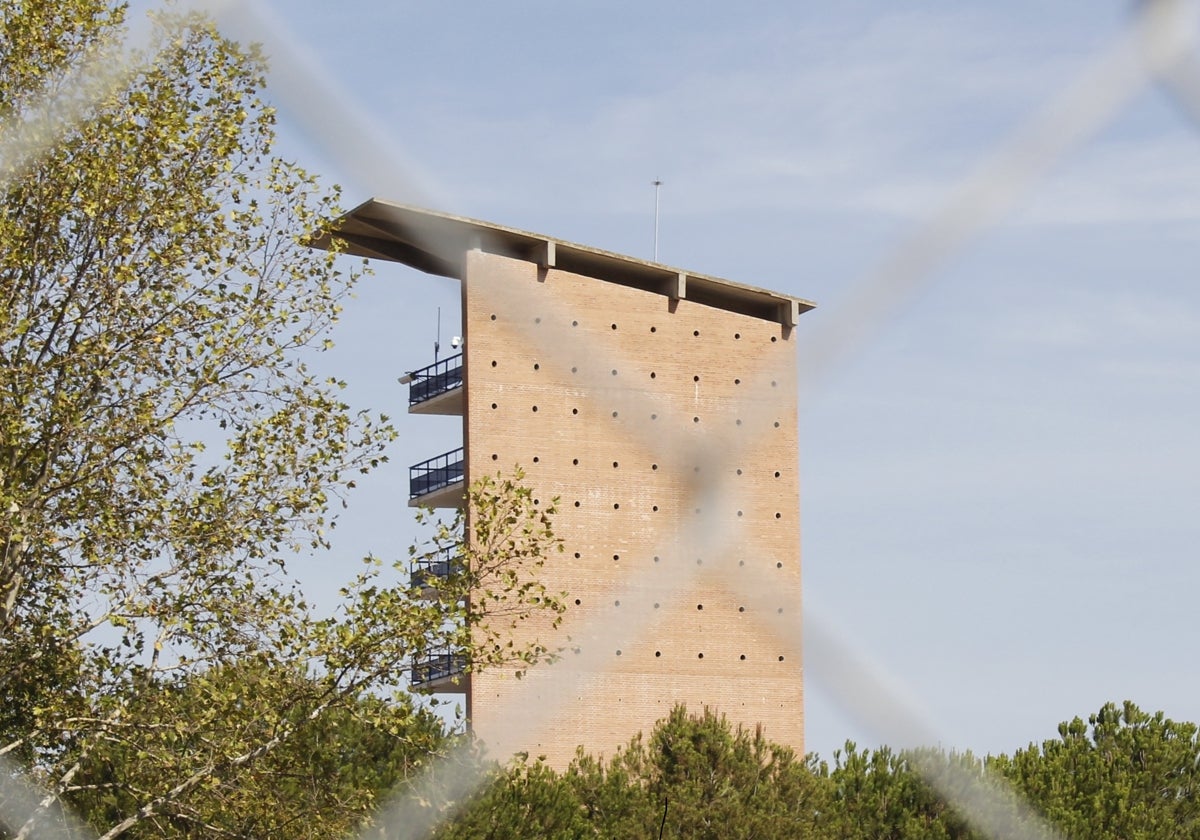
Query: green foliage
x=324 y=778
x=884 y=794
x=498 y=541
x=1123 y=774
x=164 y=448
x=696 y=777
x=1126 y=774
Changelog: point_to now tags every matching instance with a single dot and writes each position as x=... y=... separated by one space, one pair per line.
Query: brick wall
x=667 y=430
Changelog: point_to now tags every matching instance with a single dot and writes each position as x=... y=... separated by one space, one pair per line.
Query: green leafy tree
x=164 y=447
x=695 y=776
x=888 y=794
x=1124 y=774
x=324 y=779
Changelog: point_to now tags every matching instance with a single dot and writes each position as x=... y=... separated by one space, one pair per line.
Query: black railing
x=437 y=665
x=438 y=378
x=428 y=571
x=436 y=473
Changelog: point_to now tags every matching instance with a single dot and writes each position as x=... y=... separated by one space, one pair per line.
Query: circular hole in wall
x=695 y=419
x=656 y=605
x=699 y=606
x=616 y=603
x=614 y=373
x=652 y=374
x=616 y=556
x=776 y=424
x=742 y=657
x=614 y=414
x=614 y=326
x=653 y=416
x=699 y=655
x=536 y=366
x=577 y=555
x=575 y=461
x=536 y=459
x=696 y=378
x=537 y=320
x=656 y=558
x=493 y=405
x=774 y=339
x=654 y=329
x=654 y=508
x=654 y=466
x=737 y=382
x=493 y=362
x=778 y=565
x=777 y=473
x=616 y=464
x=739 y=513
x=618 y=653
x=616 y=506
x=574 y=369
x=574 y=410
x=577 y=602
x=574 y=323
x=535 y=408
x=493 y=317
x=739 y=472
x=737 y=335
x=658 y=653
x=495 y=457
x=779 y=516
x=741 y=609
x=576 y=504
x=781 y=659
x=695 y=332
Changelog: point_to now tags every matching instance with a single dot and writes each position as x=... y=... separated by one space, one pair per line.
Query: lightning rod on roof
x=657 y=186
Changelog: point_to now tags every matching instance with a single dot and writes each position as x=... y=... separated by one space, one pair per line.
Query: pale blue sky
x=999 y=490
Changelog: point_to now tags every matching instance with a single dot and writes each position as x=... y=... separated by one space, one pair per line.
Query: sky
x=999 y=485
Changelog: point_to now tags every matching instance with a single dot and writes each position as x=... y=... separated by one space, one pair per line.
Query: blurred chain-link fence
x=1156 y=48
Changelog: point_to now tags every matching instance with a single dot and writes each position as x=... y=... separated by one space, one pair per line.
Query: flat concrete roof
x=436 y=243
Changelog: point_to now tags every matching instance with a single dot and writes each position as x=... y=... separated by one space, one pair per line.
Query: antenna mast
x=657 y=186
x=437 y=342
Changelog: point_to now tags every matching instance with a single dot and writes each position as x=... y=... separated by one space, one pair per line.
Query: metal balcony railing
x=429 y=571
x=436 y=665
x=436 y=473
x=437 y=378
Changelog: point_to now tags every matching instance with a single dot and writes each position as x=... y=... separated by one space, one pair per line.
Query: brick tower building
x=659 y=407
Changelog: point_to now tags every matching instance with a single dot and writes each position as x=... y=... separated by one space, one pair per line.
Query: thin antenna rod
x=657 y=187
x=437 y=342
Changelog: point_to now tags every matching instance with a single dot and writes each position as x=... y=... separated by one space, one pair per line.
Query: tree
x=164 y=447
x=324 y=780
x=1124 y=773
x=695 y=776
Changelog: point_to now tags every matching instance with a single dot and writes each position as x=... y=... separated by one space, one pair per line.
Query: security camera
x=456 y=341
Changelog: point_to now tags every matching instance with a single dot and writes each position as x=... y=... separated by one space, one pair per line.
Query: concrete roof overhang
x=436 y=243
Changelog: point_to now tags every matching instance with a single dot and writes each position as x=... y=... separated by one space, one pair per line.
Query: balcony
x=441 y=671
x=428 y=572
x=438 y=388
x=438 y=482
